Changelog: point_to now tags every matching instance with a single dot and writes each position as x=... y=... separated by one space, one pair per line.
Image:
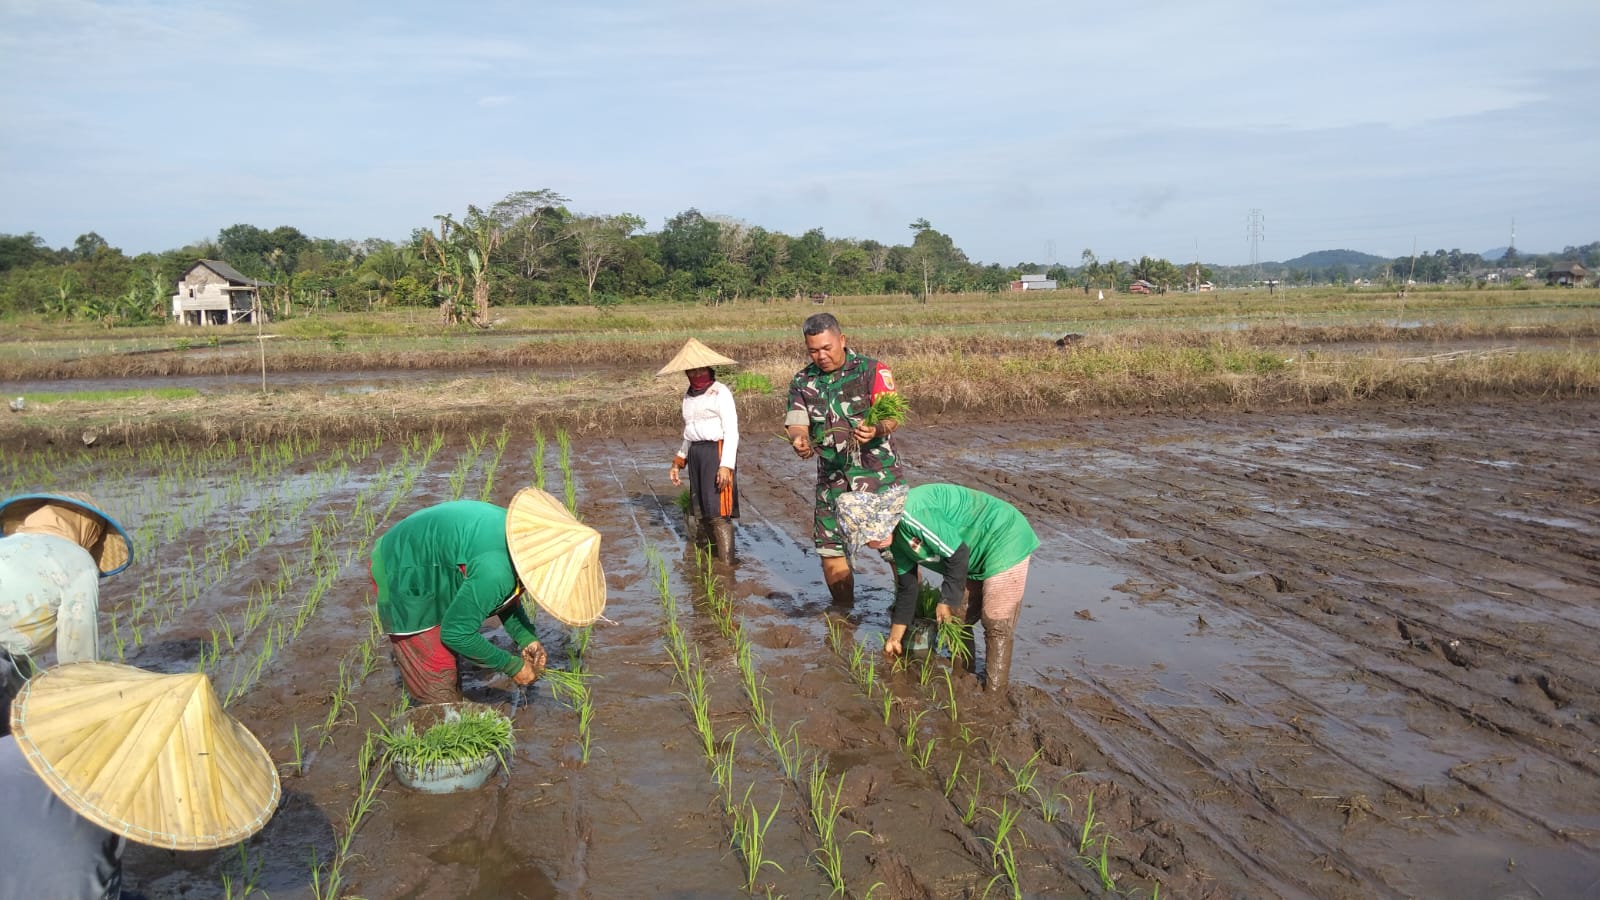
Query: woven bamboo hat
x=151 y=757
x=557 y=558
x=695 y=355
x=110 y=549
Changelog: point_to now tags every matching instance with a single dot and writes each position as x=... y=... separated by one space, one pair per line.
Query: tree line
x=529 y=248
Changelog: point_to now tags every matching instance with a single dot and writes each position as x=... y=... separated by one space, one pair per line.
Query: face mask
x=699 y=381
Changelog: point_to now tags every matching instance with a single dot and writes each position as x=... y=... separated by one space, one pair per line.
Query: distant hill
x=1327 y=259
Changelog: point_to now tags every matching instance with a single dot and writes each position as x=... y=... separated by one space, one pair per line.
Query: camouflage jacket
x=833 y=403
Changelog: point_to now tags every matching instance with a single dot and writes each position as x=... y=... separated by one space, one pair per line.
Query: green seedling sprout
x=1024 y=776
x=969 y=813
x=950 y=694
x=912 y=721
x=751 y=839
x=950 y=780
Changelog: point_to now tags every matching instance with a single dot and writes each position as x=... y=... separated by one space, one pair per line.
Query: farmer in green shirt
x=828 y=404
x=980 y=544
x=441 y=571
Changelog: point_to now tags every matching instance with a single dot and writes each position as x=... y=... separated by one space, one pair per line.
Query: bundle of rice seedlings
x=565 y=684
x=469 y=736
x=889 y=407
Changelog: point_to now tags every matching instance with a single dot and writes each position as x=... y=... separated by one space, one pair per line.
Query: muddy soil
x=1339 y=654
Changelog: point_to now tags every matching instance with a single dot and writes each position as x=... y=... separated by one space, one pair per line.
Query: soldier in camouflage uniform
x=828 y=400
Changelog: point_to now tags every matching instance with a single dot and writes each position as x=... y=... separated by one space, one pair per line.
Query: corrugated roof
x=229 y=272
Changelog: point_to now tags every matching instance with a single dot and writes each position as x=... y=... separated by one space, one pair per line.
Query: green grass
x=104 y=396
x=751 y=383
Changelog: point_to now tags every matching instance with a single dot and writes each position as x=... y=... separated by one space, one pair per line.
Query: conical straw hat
x=557 y=557
x=151 y=757
x=695 y=355
x=112 y=552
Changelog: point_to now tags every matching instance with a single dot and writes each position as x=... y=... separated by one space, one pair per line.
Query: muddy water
x=1338 y=654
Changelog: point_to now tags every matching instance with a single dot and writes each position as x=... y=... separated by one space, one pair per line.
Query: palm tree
x=1112 y=270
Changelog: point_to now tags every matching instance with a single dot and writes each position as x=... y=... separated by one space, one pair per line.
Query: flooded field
x=1336 y=654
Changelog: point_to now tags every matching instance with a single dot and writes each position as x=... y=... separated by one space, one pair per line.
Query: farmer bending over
x=444 y=569
x=828 y=403
x=54 y=549
x=980 y=544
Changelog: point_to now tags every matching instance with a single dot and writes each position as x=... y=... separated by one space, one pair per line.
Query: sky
x=1027 y=131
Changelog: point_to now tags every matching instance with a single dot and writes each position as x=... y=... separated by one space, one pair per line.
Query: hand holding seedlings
x=534 y=655
x=528 y=674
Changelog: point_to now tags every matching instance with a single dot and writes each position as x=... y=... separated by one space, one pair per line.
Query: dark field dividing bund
x=1334 y=654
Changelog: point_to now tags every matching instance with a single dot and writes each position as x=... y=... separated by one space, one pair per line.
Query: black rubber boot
x=722 y=537
x=997 y=636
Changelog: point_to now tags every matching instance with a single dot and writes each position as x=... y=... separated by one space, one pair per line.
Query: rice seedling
x=722 y=765
x=298 y=750
x=924 y=753
x=1089 y=824
x=888 y=706
x=825 y=808
x=1023 y=776
x=1101 y=864
x=789 y=751
x=1054 y=807
x=835 y=629
x=912 y=721
x=950 y=697
x=250 y=870
x=969 y=812
x=755 y=691
x=1005 y=859
x=749 y=836
x=700 y=707
x=950 y=780
x=585 y=718
x=1005 y=821
x=332 y=888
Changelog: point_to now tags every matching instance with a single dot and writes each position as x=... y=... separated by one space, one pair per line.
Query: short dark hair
x=820 y=323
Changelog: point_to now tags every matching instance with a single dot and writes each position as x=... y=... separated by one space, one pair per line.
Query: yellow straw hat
x=111 y=550
x=557 y=557
x=695 y=355
x=151 y=757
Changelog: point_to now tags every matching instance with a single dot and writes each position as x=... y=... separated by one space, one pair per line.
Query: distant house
x=1033 y=283
x=1566 y=275
x=215 y=293
x=1141 y=287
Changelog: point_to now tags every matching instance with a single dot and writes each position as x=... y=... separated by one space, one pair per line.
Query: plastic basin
x=443 y=776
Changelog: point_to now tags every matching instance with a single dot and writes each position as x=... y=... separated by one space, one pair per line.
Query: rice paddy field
x=1314 y=613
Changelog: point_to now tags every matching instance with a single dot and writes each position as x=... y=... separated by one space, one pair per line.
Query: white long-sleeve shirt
x=712 y=416
x=49 y=590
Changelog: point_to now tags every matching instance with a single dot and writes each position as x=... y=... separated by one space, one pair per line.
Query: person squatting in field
x=710 y=448
x=444 y=569
x=54 y=550
x=980 y=544
x=828 y=403
x=440 y=572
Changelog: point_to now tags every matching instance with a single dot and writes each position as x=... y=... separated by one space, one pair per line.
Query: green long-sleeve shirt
x=959 y=533
x=448 y=565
